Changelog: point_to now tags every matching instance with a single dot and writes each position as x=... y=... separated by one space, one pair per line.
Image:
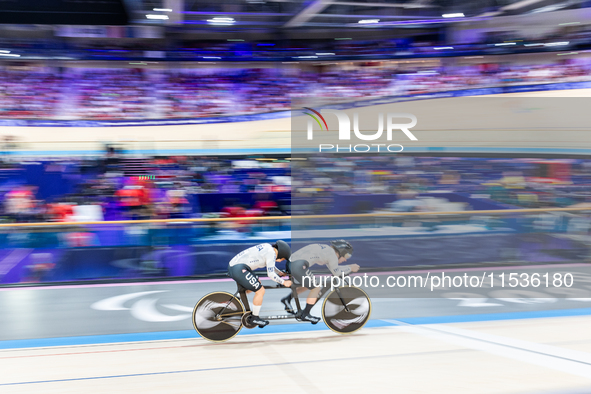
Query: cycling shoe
x=252 y=319
x=309 y=318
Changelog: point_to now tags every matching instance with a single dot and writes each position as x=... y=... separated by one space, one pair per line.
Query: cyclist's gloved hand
x=287 y=283
x=354 y=267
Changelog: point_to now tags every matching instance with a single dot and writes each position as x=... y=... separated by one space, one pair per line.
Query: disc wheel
x=336 y=316
x=217 y=316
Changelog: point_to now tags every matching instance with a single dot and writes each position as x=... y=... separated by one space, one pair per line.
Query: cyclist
x=260 y=256
x=331 y=256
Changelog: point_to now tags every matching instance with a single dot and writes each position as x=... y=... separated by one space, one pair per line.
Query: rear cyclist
x=331 y=256
x=260 y=256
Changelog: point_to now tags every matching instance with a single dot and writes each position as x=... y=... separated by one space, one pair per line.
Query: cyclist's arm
x=344 y=270
x=335 y=268
x=271 y=269
x=279 y=272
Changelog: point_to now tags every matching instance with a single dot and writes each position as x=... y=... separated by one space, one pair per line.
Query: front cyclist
x=260 y=256
x=331 y=256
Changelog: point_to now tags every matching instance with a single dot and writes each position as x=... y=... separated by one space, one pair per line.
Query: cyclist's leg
x=257 y=301
x=243 y=275
x=286 y=301
x=313 y=296
x=300 y=270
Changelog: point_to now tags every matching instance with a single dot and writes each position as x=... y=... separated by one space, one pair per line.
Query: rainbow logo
x=316 y=119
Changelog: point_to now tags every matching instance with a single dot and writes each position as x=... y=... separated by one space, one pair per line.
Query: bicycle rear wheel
x=336 y=316
x=217 y=316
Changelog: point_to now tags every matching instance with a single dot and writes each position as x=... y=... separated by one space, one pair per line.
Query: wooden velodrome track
x=275 y=136
x=139 y=338
x=523 y=356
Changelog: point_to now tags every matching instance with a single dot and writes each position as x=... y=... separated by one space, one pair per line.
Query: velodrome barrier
x=38 y=253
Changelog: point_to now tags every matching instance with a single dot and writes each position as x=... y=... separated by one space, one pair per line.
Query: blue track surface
x=283 y=328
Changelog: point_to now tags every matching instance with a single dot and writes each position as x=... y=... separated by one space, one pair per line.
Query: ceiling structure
x=330 y=14
x=280 y=18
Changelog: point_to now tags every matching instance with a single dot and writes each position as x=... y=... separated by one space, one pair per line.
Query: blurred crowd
x=506 y=183
x=109 y=190
x=108 y=94
x=188 y=187
x=30 y=94
x=113 y=94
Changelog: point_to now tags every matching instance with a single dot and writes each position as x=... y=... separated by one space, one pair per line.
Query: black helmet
x=343 y=248
x=283 y=250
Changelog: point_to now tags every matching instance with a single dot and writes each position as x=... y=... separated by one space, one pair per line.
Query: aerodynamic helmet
x=283 y=250
x=343 y=248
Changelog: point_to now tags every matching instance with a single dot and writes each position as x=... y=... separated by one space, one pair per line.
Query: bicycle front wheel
x=335 y=314
x=217 y=316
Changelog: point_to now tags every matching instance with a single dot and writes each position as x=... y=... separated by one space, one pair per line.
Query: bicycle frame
x=246 y=303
